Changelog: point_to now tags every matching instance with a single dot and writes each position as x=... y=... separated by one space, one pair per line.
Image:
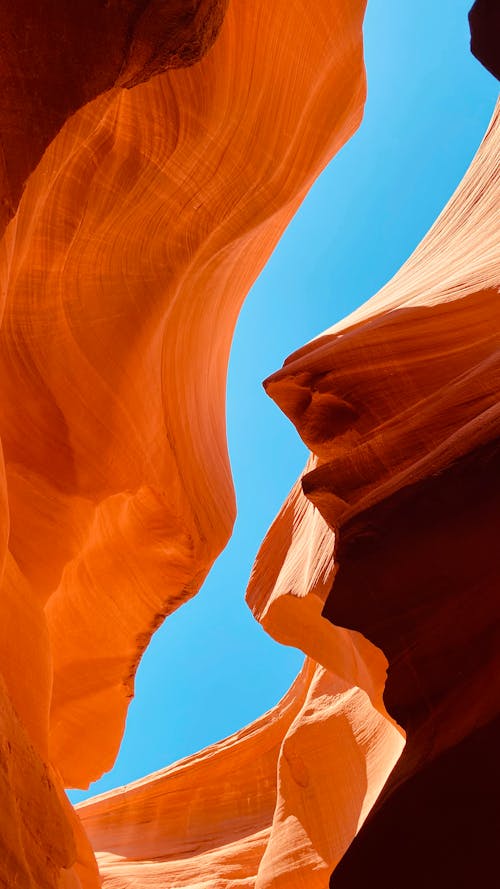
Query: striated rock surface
x=122 y=278
x=263 y=809
x=53 y=59
x=390 y=533
x=57 y=56
x=154 y=198
x=400 y=405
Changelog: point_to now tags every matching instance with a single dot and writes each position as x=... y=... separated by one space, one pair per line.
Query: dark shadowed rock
x=419 y=575
x=484 y=22
x=56 y=56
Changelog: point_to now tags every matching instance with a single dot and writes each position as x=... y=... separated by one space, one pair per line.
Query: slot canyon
x=153 y=154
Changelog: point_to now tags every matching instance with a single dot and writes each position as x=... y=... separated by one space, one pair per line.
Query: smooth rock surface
x=262 y=808
x=400 y=405
x=122 y=278
x=137 y=237
x=118 y=479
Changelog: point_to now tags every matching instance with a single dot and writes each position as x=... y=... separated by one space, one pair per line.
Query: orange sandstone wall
x=123 y=278
x=57 y=56
x=123 y=270
x=138 y=234
x=263 y=808
x=400 y=405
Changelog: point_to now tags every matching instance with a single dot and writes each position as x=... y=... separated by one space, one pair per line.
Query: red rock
x=484 y=21
x=262 y=808
x=400 y=405
x=137 y=237
x=117 y=465
x=56 y=56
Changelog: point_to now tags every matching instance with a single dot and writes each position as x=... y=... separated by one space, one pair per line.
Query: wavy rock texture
x=400 y=406
x=57 y=56
x=122 y=278
x=123 y=270
x=397 y=535
x=261 y=809
x=120 y=445
x=203 y=822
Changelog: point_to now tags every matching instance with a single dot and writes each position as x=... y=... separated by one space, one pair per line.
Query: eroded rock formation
x=122 y=280
x=400 y=404
x=56 y=56
x=203 y=822
x=141 y=228
x=263 y=808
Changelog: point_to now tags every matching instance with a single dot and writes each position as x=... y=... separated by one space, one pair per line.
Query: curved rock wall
x=400 y=404
x=55 y=57
x=123 y=270
x=122 y=278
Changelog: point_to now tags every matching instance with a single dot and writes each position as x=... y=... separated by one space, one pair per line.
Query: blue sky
x=211 y=669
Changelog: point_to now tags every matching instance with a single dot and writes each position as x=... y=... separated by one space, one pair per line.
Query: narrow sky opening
x=210 y=668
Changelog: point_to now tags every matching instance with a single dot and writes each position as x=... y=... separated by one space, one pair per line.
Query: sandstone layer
x=57 y=56
x=390 y=533
x=149 y=200
x=400 y=405
x=137 y=237
x=263 y=809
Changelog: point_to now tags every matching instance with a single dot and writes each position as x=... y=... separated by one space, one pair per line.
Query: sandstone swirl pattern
x=56 y=56
x=123 y=271
x=400 y=405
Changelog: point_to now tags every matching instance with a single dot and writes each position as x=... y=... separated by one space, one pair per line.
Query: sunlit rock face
x=264 y=808
x=137 y=236
x=390 y=533
x=400 y=405
x=154 y=198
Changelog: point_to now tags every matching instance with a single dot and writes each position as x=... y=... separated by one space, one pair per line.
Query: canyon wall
x=122 y=278
x=400 y=405
x=140 y=200
x=55 y=57
x=390 y=532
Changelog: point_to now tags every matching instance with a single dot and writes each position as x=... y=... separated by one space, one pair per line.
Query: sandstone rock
x=399 y=404
x=122 y=276
x=117 y=464
x=137 y=237
x=262 y=808
x=57 y=56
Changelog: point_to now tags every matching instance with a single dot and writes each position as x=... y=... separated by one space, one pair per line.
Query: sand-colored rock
x=124 y=280
x=123 y=270
x=54 y=57
x=202 y=822
x=263 y=809
x=400 y=405
x=138 y=234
